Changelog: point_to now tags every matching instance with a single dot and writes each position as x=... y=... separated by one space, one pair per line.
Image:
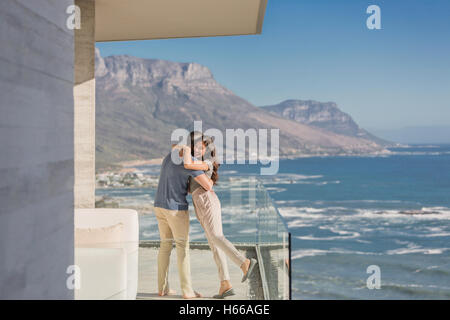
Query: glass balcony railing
x=272 y=247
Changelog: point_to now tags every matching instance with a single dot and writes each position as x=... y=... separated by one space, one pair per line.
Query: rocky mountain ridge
x=139 y=102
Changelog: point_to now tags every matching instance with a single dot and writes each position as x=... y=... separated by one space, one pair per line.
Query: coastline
x=133 y=163
x=129 y=165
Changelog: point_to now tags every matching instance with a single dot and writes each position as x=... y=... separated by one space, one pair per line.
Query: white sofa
x=109 y=271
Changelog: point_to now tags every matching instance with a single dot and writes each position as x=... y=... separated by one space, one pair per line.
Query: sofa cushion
x=111 y=236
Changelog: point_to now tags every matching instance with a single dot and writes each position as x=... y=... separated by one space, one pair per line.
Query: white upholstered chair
x=108 y=270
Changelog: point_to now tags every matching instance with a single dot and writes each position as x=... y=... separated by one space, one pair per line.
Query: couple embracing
x=193 y=168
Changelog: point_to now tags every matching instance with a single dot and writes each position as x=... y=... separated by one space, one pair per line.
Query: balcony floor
x=203 y=270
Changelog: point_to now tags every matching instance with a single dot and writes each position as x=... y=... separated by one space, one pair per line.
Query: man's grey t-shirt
x=173 y=183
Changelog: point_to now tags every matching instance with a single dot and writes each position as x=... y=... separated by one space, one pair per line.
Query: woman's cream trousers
x=209 y=214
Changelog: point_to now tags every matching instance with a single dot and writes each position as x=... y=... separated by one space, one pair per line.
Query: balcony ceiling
x=120 y=20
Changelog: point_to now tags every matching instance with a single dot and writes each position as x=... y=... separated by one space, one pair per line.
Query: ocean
x=346 y=214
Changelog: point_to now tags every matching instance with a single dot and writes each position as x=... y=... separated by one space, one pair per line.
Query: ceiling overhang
x=122 y=20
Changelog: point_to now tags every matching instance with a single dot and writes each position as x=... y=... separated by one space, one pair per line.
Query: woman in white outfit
x=208 y=210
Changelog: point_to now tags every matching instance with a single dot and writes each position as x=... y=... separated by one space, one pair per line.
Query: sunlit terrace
x=250 y=221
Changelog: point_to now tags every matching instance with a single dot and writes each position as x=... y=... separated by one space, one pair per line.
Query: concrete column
x=84 y=104
x=36 y=149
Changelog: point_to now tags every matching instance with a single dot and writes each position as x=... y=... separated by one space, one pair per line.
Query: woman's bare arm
x=191 y=164
x=205 y=182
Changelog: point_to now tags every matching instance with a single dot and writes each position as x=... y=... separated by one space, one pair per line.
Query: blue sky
x=315 y=49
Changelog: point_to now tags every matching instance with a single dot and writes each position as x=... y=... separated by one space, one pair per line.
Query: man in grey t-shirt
x=173 y=183
x=171 y=209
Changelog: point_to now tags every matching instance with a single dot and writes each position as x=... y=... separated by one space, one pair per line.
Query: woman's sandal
x=226 y=293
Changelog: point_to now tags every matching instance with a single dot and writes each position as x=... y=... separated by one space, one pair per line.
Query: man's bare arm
x=191 y=164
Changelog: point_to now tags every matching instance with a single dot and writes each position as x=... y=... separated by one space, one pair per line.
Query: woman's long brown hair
x=207 y=141
x=216 y=165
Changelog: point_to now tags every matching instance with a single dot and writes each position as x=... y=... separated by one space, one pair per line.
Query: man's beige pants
x=173 y=226
x=209 y=214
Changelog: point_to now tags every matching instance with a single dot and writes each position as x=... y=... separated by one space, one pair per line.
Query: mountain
x=139 y=102
x=325 y=115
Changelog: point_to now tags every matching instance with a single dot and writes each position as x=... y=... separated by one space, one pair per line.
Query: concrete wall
x=36 y=149
x=84 y=94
